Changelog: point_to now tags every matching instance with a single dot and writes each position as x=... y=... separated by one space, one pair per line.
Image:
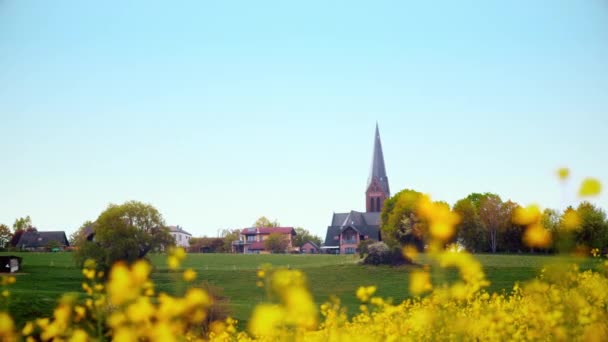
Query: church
x=348 y=229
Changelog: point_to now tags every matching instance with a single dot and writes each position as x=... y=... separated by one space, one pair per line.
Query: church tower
x=377 y=183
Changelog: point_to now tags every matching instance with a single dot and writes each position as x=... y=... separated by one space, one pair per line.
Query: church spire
x=377 y=183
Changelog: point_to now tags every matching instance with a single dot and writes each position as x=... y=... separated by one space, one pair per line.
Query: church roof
x=378 y=170
x=367 y=223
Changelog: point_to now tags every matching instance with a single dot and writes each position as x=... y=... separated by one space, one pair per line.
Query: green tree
x=22 y=223
x=303 y=236
x=265 y=222
x=229 y=236
x=399 y=223
x=494 y=217
x=206 y=244
x=511 y=239
x=78 y=237
x=276 y=243
x=470 y=232
x=5 y=235
x=125 y=232
x=593 y=231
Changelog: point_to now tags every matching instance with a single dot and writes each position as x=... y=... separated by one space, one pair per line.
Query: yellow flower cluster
x=563 y=304
x=536 y=235
x=293 y=308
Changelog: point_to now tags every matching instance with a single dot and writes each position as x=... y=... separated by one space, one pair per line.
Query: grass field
x=45 y=276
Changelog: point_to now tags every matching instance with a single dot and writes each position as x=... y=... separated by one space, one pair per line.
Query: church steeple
x=377 y=183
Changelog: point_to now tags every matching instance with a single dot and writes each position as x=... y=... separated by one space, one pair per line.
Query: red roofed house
x=252 y=239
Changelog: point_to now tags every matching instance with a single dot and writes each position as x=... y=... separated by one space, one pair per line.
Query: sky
x=219 y=112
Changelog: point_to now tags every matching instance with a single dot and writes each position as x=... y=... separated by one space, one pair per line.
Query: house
x=348 y=229
x=41 y=241
x=252 y=240
x=310 y=248
x=182 y=237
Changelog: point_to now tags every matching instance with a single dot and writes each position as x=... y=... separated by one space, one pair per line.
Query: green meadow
x=44 y=277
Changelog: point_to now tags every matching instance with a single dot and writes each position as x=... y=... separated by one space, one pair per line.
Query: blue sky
x=218 y=112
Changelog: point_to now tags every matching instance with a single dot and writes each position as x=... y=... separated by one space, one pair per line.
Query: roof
x=378 y=170
x=268 y=230
x=178 y=229
x=36 y=239
x=367 y=223
x=312 y=243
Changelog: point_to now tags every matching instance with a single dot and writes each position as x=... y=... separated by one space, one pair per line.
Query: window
x=349 y=250
x=250 y=237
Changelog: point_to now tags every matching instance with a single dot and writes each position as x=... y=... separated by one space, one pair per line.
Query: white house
x=182 y=237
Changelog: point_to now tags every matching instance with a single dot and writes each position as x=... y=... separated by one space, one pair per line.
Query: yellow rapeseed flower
x=189 y=275
x=563 y=173
x=140 y=272
x=526 y=216
x=420 y=282
x=28 y=328
x=6 y=325
x=365 y=292
x=79 y=335
x=120 y=286
x=265 y=319
x=173 y=262
x=571 y=220
x=410 y=252
x=590 y=187
x=537 y=236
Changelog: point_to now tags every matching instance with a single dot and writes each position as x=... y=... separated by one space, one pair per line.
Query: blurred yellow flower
x=6 y=324
x=537 y=236
x=590 y=187
x=365 y=292
x=420 y=282
x=410 y=252
x=571 y=220
x=265 y=319
x=79 y=336
x=526 y=215
x=563 y=173
x=189 y=275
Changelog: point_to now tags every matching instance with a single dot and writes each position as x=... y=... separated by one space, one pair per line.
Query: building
x=182 y=237
x=347 y=230
x=33 y=240
x=252 y=240
x=310 y=248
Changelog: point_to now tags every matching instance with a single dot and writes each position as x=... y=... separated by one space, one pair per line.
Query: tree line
x=486 y=225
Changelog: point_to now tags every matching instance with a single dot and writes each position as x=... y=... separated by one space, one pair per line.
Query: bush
x=363 y=247
x=380 y=254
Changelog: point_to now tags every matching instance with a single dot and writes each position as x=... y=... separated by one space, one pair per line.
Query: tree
x=125 y=232
x=5 y=235
x=399 y=223
x=22 y=223
x=470 y=231
x=276 y=243
x=229 y=236
x=494 y=217
x=303 y=236
x=511 y=239
x=593 y=231
x=265 y=222
x=206 y=244
x=79 y=236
